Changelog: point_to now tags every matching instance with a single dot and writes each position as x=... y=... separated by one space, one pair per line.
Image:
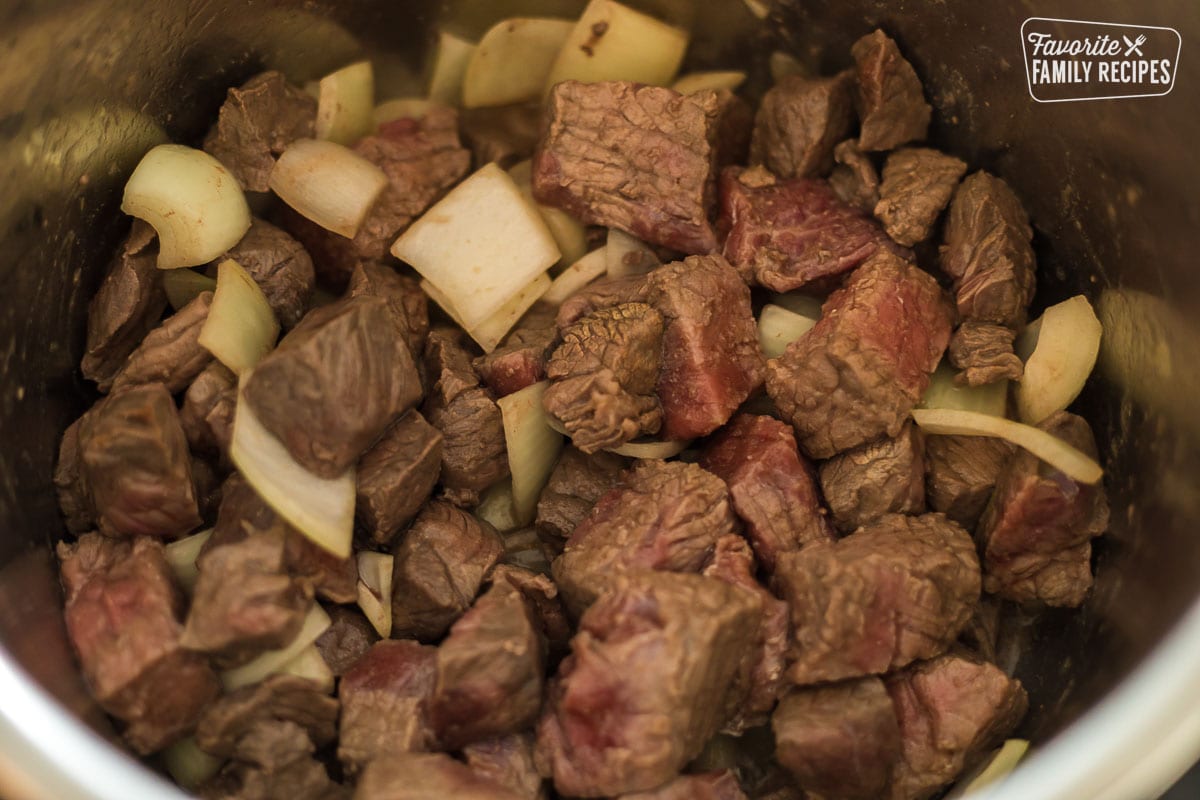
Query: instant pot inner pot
x=87 y=87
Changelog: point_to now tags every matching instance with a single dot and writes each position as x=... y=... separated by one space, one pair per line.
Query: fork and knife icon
x=1134 y=46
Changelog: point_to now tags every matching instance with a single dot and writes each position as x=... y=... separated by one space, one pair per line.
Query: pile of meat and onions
x=694 y=480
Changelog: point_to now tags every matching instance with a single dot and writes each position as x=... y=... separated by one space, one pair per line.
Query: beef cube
x=274 y=760
x=245 y=601
x=711 y=360
x=74 y=499
x=707 y=786
x=917 y=184
x=208 y=409
x=771 y=486
x=126 y=307
x=788 y=234
x=984 y=353
x=1040 y=519
x=207 y=480
x=733 y=563
x=542 y=596
x=134 y=461
x=490 y=670
x=257 y=122
x=799 y=122
x=960 y=473
x=406 y=300
x=859 y=372
x=278 y=698
x=950 y=710
x=891 y=103
x=385 y=703
x=854 y=179
x=599 y=294
x=501 y=134
x=603 y=375
x=634 y=157
x=520 y=360
x=735 y=128
x=170 y=354
x=647 y=683
x=427 y=776
x=577 y=482
x=474 y=453
x=334 y=384
x=347 y=639
x=663 y=516
x=440 y=564
x=987 y=251
x=122 y=613
x=507 y=760
x=334 y=579
x=396 y=476
x=898 y=590
x=280 y=266
x=839 y=740
x=883 y=477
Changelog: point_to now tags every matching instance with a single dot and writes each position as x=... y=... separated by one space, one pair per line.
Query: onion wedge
x=241 y=327
x=272 y=661
x=512 y=61
x=188 y=764
x=576 y=276
x=778 y=327
x=311 y=665
x=496 y=506
x=654 y=449
x=449 y=66
x=612 y=42
x=1059 y=350
x=345 y=102
x=533 y=447
x=568 y=232
x=627 y=255
x=181 y=556
x=489 y=333
x=375 y=590
x=401 y=108
x=185 y=285
x=328 y=183
x=1066 y=459
x=699 y=81
x=943 y=392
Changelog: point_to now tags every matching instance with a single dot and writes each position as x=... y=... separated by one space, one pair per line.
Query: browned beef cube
x=427 y=776
x=134 y=462
x=347 y=639
x=490 y=670
x=334 y=579
x=787 y=234
x=334 y=384
x=257 y=122
x=735 y=128
x=898 y=590
x=274 y=760
x=859 y=372
x=474 y=454
x=951 y=710
x=839 y=740
x=987 y=251
x=503 y=134
x=385 y=703
x=577 y=482
x=280 y=266
x=854 y=179
x=171 y=353
x=520 y=360
x=711 y=360
x=440 y=564
x=663 y=516
x=733 y=562
x=74 y=499
x=603 y=375
x=278 y=697
x=960 y=473
x=542 y=595
x=507 y=760
x=629 y=156
x=647 y=683
x=707 y=786
x=396 y=476
x=799 y=122
x=891 y=103
x=600 y=294
x=1037 y=524
x=126 y=307
x=884 y=477
x=917 y=184
x=771 y=486
x=406 y=300
x=984 y=353
x=122 y=613
x=208 y=409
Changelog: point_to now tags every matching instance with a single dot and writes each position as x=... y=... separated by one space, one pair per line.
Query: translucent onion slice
x=320 y=508
x=716 y=81
x=189 y=765
x=449 y=67
x=328 y=183
x=273 y=661
x=192 y=202
x=512 y=61
x=533 y=447
x=568 y=232
x=628 y=255
x=401 y=108
x=181 y=556
x=576 y=276
x=778 y=327
x=1066 y=459
x=943 y=392
x=612 y=42
x=489 y=333
x=650 y=449
x=311 y=665
x=496 y=506
x=1059 y=350
x=185 y=285
x=998 y=767
x=345 y=104
x=375 y=590
x=241 y=327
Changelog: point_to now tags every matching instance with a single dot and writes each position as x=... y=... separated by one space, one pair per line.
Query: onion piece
x=576 y=276
x=1054 y=451
x=449 y=67
x=533 y=447
x=489 y=333
x=273 y=661
x=758 y=8
x=328 y=183
x=496 y=506
x=783 y=64
x=512 y=61
x=241 y=327
x=311 y=665
x=996 y=768
x=798 y=303
x=345 y=102
x=943 y=392
x=185 y=285
x=181 y=555
x=568 y=232
x=778 y=327
x=194 y=204
x=401 y=108
x=612 y=42
x=649 y=449
x=1059 y=351
x=320 y=508
x=375 y=590
x=188 y=764
x=715 y=80
x=628 y=255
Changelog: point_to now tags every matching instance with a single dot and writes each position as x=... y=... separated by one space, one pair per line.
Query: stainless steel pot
x=86 y=86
